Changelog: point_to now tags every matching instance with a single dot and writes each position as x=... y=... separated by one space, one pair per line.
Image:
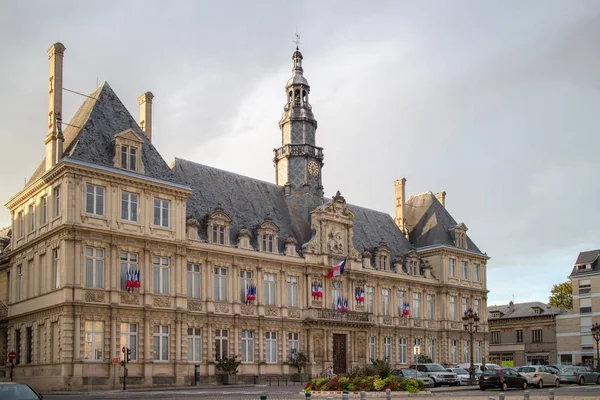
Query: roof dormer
x=460 y=235
x=128 y=151
x=192 y=226
x=268 y=236
x=219 y=223
x=382 y=256
x=244 y=236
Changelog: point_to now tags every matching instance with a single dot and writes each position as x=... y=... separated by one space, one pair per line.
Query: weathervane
x=297 y=41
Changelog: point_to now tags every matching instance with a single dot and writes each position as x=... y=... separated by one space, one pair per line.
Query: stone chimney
x=54 y=138
x=441 y=196
x=145 y=101
x=400 y=186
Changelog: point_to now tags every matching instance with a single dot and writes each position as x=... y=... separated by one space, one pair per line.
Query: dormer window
x=537 y=310
x=267 y=235
x=128 y=151
x=129 y=158
x=267 y=243
x=218 y=226
x=496 y=314
x=460 y=235
x=382 y=256
x=218 y=234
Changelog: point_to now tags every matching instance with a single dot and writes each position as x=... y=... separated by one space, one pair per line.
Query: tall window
x=220 y=284
x=478 y=352
x=194 y=350
x=19 y=282
x=476 y=272
x=129 y=339
x=400 y=302
x=432 y=349
x=292 y=291
x=403 y=351
x=31 y=212
x=18 y=346
x=129 y=206
x=129 y=158
x=430 y=306
x=44 y=210
x=245 y=282
x=452 y=267
x=267 y=243
x=385 y=301
x=372 y=354
x=536 y=335
x=221 y=343
x=465 y=270
x=56 y=268
x=336 y=294
x=495 y=337
x=94 y=340
x=466 y=351
x=129 y=263
x=417 y=349
x=454 y=352
x=370 y=301
x=293 y=344
x=271 y=347
x=193 y=280
x=161 y=271
x=94 y=199
x=161 y=342
x=56 y=201
x=465 y=305
x=452 y=308
x=416 y=306
x=476 y=306
x=383 y=262
x=248 y=346
x=270 y=284
x=387 y=349
x=161 y=212
x=519 y=336
x=218 y=234
x=29 y=348
x=94 y=267
x=21 y=223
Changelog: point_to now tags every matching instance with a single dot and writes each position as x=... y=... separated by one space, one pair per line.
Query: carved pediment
x=129 y=134
x=219 y=215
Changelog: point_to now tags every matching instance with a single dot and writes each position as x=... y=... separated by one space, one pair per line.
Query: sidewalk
x=154 y=389
x=444 y=389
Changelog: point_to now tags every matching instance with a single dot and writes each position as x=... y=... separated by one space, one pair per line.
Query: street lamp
x=596 y=336
x=471 y=325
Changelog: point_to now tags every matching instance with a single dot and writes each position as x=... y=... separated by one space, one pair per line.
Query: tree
x=561 y=295
x=298 y=360
x=424 y=359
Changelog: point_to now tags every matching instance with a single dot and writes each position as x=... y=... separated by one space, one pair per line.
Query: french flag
x=337 y=270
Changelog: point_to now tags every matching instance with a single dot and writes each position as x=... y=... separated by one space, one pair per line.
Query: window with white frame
x=44 y=210
x=519 y=335
x=385 y=301
x=245 y=282
x=370 y=300
x=432 y=349
x=129 y=206
x=403 y=351
x=387 y=349
x=94 y=199
x=476 y=272
x=536 y=335
x=129 y=263
x=129 y=339
x=495 y=337
x=270 y=286
x=93 y=349
x=465 y=305
x=465 y=270
x=271 y=347
x=31 y=212
x=292 y=291
x=267 y=243
x=430 y=306
x=19 y=282
x=218 y=234
x=194 y=280
x=416 y=306
x=400 y=302
x=372 y=354
x=466 y=351
x=21 y=224
x=220 y=284
x=452 y=267
x=417 y=350
x=454 y=352
x=336 y=294
x=129 y=155
x=56 y=201
x=478 y=352
x=94 y=267
x=161 y=212
x=161 y=342
x=56 y=268
x=194 y=350
x=221 y=343
x=160 y=275
x=293 y=344
x=247 y=346
x=452 y=315
x=476 y=306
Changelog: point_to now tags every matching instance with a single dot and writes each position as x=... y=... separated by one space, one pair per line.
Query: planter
x=299 y=377
x=229 y=379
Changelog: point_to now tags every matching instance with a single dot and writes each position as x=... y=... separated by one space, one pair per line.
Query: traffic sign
x=12 y=355
x=123 y=349
x=115 y=361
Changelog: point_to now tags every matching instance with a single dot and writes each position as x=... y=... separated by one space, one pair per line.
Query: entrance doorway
x=339 y=354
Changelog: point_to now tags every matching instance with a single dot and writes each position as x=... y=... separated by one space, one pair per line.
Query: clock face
x=313 y=168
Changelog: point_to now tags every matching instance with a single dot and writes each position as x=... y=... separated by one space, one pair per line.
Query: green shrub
x=383 y=369
x=368 y=384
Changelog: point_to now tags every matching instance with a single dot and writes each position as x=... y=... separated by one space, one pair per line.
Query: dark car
x=18 y=391
x=502 y=379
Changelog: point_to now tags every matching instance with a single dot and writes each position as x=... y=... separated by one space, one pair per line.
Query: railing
x=299 y=150
x=353 y=317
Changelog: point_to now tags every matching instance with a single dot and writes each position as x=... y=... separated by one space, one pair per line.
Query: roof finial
x=297 y=41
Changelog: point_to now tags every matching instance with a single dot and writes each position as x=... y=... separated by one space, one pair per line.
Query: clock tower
x=298 y=162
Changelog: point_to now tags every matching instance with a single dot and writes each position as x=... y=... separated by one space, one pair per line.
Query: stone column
x=178 y=337
x=261 y=345
x=209 y=342
x=114 y=343
x=77 y=338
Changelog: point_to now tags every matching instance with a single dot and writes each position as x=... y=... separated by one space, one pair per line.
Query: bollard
x=501 y=396
x=363 y=395
x=345 y=395
x=491 y=398
x=307 y=395
x=263 y=397
x=388 y=394
x=551 y=394
x=329 y=398
x=526 y=395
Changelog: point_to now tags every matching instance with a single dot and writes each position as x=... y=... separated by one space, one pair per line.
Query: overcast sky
x=495 y=102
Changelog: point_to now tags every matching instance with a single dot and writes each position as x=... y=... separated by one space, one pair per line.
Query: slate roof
x=522 y=310
x=429 y=223
x=91 y=135
x=587 y=257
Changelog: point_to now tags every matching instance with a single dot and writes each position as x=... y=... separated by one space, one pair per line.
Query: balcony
x=299 y=150
x=338 y=317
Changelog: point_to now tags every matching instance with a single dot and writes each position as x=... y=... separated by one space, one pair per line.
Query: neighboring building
x=104 y=212
x=574 y=336
x=5 y=235
x=522 y=334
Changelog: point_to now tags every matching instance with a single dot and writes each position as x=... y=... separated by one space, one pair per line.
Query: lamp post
x=471 y=325
x=596 y=336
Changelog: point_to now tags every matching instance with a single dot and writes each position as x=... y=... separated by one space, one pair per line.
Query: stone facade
x=88 y=223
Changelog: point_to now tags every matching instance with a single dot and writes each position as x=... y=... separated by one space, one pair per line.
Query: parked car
x=478 y=367
x=580 y=375
x=557 y=367
x=502 y=379
x=555 y=370
x=18 y=391
x=407 y=373
x=437 y=373
x=539 y=375
x=463 y=375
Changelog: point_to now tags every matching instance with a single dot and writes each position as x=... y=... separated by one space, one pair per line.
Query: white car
x=463 y=375
x=539 y=376
x=478 y=367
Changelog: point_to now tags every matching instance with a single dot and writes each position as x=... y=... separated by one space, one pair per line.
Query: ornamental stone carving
x=387 y=320
x=247 y=310
x=272 y=312
x=222 y=308
x=431 y=324
x=335 y=241
x=162 y=302
x=294 y=313
x=194 y=305
x=318 y=346
x=417 y=322
x=95 y=297
x=454 y=325
x=130 y=298
x=403 y=322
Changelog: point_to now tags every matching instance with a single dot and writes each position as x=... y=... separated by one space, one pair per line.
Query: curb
x=152 y=389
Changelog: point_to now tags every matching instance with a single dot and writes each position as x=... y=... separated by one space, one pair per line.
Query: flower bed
x=367 y=384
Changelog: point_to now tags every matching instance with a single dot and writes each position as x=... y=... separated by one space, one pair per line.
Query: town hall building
x=185 y=264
